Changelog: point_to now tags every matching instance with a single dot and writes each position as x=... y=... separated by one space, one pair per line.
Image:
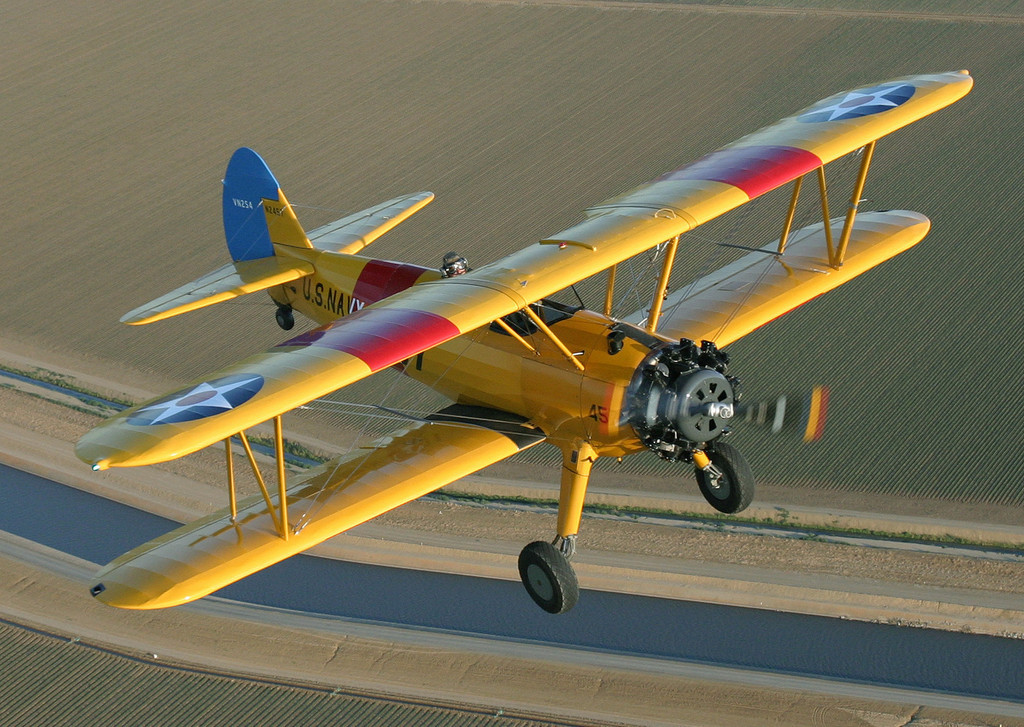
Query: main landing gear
x=548 y=577
x=724 y=477
x=544 y=567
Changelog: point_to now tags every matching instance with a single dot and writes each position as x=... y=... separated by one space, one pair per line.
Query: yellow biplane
x=520 y=368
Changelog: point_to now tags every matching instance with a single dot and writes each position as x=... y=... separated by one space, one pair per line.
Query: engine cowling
x=680 y=398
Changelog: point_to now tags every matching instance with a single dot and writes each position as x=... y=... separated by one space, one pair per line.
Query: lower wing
x=761 y=286
x=199 y=558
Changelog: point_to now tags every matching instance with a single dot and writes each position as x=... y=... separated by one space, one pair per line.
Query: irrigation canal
x=971 y=665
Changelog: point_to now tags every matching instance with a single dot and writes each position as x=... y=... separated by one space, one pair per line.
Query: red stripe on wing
x=754 y=169
x=381 y=337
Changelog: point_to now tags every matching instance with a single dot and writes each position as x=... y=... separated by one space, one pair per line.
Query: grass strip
x=782 y=522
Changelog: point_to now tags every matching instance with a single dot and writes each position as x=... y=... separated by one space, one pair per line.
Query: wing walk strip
x=197 y=559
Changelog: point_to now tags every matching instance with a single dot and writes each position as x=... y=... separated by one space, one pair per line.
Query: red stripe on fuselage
x=381 y=279
x=382 y=337
x=754 y=169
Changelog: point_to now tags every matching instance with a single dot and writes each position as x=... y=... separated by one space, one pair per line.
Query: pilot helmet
x=454 y=264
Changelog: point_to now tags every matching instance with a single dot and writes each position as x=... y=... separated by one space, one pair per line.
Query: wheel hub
x=540 y=581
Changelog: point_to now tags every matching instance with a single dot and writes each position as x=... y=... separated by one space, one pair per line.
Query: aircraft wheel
x=734 y=490
x=285 y=318
x=548 y=577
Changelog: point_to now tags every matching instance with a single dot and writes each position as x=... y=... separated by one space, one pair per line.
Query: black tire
x=735 y=489
x=548 y=577
x=285 y=318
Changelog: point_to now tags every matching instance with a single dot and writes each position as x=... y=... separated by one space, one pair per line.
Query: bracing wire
x=386 y=413
x=805 y=217
x=316 y=502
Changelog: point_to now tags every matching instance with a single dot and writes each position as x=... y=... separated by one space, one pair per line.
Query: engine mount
x=681 y=398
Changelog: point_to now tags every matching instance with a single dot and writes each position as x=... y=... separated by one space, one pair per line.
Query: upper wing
x=760 y=162
x=226 y=282
x=304 y=368
x=352 y=233
x=761 y=286
x=199 y=558
x=691 y=195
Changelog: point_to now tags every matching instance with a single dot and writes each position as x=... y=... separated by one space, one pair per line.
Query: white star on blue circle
x=862 y=102
x=200 y=401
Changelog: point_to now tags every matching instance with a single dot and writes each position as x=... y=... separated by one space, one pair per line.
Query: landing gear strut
x=285 y=317
x=544 y=567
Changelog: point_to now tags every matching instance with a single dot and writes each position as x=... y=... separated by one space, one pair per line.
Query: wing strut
x=836 y=254
x=610 y=292
x=546 y=330
x=551 y=335
x=858 y=189
x=278 y=514
x=825 y=215
x=792 y=213
x=510 y=331
x=659 y=294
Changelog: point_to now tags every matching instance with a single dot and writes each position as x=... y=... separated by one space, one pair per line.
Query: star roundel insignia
x=200 y=401
x=862 y=102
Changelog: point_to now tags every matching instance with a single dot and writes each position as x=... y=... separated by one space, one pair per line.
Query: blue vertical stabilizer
x=247 y=182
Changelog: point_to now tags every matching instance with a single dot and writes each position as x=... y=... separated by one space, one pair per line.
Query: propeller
x=797 y=415
x=681 y=399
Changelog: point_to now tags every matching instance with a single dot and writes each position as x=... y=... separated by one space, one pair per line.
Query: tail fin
x=249 y=189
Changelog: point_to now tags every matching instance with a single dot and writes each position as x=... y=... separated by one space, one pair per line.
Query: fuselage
x=488 y=367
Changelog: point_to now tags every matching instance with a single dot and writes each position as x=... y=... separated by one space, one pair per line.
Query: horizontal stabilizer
x=352 y=233
x=224 y=283
x=199 y=558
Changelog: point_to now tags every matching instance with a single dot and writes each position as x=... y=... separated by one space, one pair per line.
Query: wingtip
x=117 y=596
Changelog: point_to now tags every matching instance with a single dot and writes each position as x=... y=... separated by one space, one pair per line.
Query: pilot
x=453 y=264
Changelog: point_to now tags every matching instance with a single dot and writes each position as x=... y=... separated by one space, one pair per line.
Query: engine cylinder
x=680 y=398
